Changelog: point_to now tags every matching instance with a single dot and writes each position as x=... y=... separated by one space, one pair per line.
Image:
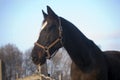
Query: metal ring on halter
x=59 y=39
x=46 y=49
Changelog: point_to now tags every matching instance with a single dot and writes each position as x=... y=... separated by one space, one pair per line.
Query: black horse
x=89 y=62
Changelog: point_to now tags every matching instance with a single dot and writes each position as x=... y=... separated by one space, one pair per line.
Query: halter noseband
x=59 y=39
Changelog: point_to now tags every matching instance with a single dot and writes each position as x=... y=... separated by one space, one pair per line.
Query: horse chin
x=36 y=63
x=39 y=61
x=43 y=61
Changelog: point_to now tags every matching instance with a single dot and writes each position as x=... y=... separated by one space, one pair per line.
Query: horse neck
x=79 y=47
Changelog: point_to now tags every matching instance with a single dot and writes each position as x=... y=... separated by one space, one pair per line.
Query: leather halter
x=59 y=39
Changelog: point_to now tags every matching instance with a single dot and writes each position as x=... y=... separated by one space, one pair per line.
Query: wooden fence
x=38 y=76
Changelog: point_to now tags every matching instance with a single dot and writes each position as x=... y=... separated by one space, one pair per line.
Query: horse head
x=50 y=38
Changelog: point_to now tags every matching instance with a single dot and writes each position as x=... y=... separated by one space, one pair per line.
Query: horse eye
x=51 y=27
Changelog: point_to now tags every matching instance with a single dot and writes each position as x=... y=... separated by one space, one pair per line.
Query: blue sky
x=99 y=20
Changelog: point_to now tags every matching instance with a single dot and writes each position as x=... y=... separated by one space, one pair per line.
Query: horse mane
x=78 y=45
x=80 y=36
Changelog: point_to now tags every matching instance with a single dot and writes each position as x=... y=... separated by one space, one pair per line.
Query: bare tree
x=28 y=66
x=66 y=65
x=18 y=63
x=60 y=64
x=12 y=57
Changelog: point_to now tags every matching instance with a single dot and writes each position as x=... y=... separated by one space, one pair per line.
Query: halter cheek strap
x=47 y=48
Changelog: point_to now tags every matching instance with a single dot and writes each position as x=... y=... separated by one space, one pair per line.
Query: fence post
x=39 y=71
x=2 y=71
x=60 y=76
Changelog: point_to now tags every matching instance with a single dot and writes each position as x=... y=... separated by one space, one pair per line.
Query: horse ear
x=44 y=14
x=51 y=12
